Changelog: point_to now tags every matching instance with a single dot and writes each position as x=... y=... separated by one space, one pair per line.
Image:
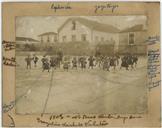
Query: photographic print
x=81 y=64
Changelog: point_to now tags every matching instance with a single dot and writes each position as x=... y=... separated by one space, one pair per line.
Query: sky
x=32 y=26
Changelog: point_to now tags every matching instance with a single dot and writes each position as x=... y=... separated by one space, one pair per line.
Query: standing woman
x=35 y=59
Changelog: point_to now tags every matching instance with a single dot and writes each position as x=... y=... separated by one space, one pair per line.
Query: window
x=131 y=38
x=64 y=38
x=83 y=37
x=102 y=39
x=73 y=25
x=73 y=38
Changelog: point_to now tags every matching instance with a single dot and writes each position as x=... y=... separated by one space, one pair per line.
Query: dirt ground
x=92 y=91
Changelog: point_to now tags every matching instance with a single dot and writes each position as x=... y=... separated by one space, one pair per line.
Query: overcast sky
x=27 y=26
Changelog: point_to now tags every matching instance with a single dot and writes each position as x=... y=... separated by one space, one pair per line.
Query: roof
x=25 y=39
x=93 y=25
x=135 y=28
x=48 y=33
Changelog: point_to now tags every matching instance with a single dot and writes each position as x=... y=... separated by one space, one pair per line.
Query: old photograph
x=81 y=64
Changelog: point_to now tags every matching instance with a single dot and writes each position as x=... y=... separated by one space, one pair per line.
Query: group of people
x=128 y=61
x=29 y=59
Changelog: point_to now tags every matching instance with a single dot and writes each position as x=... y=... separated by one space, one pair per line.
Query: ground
x=76 y=91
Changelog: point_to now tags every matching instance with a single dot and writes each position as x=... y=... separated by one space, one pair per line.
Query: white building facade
x=48 y=37
x=84 y=30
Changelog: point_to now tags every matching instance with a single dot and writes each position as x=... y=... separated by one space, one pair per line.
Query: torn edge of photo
x=81 y=64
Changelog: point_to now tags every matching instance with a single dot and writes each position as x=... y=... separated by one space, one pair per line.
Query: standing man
x=28 y=62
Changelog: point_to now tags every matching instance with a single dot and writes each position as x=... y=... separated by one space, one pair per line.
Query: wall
x=139 y=46
x=51 y=38
x=108 y=38
x=68 y=32
x=91 y=35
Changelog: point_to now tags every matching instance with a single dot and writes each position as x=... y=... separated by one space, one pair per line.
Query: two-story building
x=48 y=37
x=78 y=29
x=85 y=30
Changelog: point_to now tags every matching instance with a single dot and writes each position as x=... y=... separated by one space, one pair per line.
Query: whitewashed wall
x=107 y=37
x=45 y=38
x=91 y=35
x=68 y=32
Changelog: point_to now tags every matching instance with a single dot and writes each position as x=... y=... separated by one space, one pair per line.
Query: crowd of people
x=127 y=61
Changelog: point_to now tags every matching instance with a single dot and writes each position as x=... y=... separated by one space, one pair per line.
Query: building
x=85 y=30
x=26 y=40
x=48 y=37
x=21 y=42
x=133 y=40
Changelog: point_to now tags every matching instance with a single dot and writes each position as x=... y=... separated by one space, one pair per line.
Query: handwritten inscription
x=12 y=124
x=72 y=124
x=8 y=107
x=57 y=6
x=106 y=6
x=8 y=45
x=9 y=61
x=84 y=120
x=153 y=68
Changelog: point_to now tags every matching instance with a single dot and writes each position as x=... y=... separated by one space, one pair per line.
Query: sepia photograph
x=81 y=64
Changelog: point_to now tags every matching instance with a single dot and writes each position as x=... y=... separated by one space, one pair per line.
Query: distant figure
x=53 y=62
x=91 y=62
x=79 y=61
x=74 y=63
x=43 y=60
x=117 y=59
x=66 y=64
x=124 y=62
x=135 y=60
x=45 y=64
x=83 y=62
x=28 y=62
x=113 y=62
x=35 y=59
x=130 y=61
x=60 y=55
x=106 y=64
